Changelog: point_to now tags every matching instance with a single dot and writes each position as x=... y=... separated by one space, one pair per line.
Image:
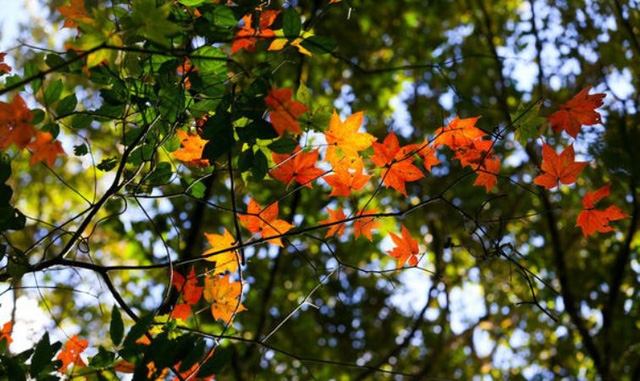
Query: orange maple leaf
x=70 y=353
x=363 y=225
x=334 y=217
x=188 y=287
x=191 y=151
x=5 y=334
x=224 y=296
x=73 y=13
x=397 y=163
x=227 y=260
x=558 y=169
x=577 y=112
x=4 y=68
x=247 y=37
x=299 y=166
x=592 y=220
x=346 y=178
x=406 y=248
x=345 y=136
x=284 y=110
x=265 y=221
x=479 y=155
x=458 y=133
x=15 y=127
x=428 y=155
x=45 y=148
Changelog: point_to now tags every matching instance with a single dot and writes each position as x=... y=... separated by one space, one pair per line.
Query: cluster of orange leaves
x=219 y=290
x=16 y=129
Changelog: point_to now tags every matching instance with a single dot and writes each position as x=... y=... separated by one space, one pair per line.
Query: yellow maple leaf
x=227 y=260
x=224 y=296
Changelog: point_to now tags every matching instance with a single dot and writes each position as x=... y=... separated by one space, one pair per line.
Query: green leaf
x=53 y=91
x=291 y=24
x=43 y=355
x=80 y=150
x=116 y=328
x=283 y=145
x=31 y=70
x=103 y=359
x=219 y=131
x=161 y=175
x=67 y=105
x=12 y=369
x=319 y=44
x=191 y=3
x=527 y=122
x=55 y=61
x=152 y=21
x=260 y=165
x=5 y=167
x=81 y=121
x=258 y=129
x=245 y=160
x=197 y=189
x=223 y=16
x=107 y=164
x=209 y=59
x=304 y=95
x=131 y=350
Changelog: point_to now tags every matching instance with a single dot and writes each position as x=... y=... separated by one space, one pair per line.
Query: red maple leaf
x=397 y=163
x=45 y=148
x=363 y=225
x=264 y=221
x=406 y=248
x=479 y=155
x=247 y=37
x=5 y=334
x=284 y=110
x=188 y=287
x=334 y=217
x=346 y=178
x=458 y=133
x=70 y=353
x=558 y=169
x=299 y=166
x=592 y=220
x=577 y=112
x=15 y=127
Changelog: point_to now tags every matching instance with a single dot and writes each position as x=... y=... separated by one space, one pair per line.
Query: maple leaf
x=398 y=165
x=334 y=216
x=577 y=112
x=345 y=136
x=45 y=148
x=265 y=221
x=224 y=296
x=284 y=110
x=188 y=287
x=364 y=225
x=181 y=311
x=5 y=334
x=4 y=68
x=70 y=353
x=592 y=220
x=428 y=155
x=558 y=169
x=225 y=261
x=458 y=133
x=345 y=179
x=73 y=13
x=191 y=151
x=15 y=127
x=247 y=37
x=299 y=166
x=406 y=248
x=478 y=154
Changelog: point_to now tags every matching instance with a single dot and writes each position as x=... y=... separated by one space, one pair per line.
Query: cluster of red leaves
x=16 y=128
x=299 y=166
x=247 y=36
x=73 y=13
x=469 y=147
x=5 y=334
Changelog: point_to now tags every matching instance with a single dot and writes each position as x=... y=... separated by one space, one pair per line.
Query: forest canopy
x=326 y=190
